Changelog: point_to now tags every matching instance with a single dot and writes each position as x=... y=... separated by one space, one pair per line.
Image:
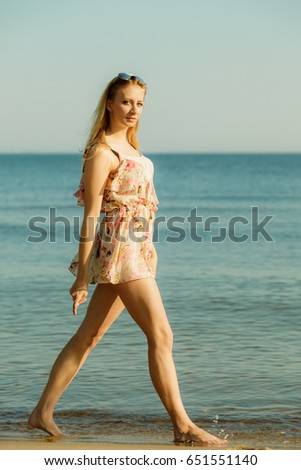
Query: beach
x=160 y=438
x=55 y=445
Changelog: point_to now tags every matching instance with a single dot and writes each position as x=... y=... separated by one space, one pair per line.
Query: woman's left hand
x=79 y=293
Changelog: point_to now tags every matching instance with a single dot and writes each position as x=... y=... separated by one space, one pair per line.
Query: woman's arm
x=96 y=173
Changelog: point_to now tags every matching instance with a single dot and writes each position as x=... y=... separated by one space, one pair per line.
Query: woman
x=118 y=180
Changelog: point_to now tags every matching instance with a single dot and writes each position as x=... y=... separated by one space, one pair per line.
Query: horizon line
x=170 y=152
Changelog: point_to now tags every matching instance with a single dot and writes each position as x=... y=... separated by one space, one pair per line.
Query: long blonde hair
x=101 y=116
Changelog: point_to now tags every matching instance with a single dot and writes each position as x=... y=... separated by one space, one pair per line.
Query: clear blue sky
x=223 y=75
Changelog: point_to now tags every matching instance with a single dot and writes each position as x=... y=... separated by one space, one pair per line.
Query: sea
x=228 y=233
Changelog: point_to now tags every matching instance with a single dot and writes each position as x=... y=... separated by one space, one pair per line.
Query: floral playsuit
x=123 y=243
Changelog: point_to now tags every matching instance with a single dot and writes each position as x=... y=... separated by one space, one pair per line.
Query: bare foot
x=39 y=421
x=198 y=435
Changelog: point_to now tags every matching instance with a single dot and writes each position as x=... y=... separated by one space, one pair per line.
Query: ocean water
x=232 y=297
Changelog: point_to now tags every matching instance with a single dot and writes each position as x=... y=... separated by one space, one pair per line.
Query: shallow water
x=92 y=425
x=234 y=307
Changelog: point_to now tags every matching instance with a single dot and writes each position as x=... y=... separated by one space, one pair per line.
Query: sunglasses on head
x=128 y=76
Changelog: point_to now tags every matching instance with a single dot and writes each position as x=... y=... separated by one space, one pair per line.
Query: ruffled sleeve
x=80 y=193
x=154 y=197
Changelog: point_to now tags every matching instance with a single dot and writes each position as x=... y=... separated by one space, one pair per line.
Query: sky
x=222 y=75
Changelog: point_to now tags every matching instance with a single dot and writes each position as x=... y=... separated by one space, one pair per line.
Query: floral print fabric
x=122 y=247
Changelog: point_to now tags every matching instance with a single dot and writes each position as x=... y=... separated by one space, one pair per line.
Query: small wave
x=95 y=426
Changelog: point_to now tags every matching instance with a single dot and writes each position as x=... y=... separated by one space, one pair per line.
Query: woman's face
x=126 y=106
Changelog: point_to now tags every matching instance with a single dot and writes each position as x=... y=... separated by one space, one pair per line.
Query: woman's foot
x=195 y=434
x=39 y=420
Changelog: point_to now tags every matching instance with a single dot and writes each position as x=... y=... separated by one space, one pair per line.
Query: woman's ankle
x=43 y=410
x=183 y=426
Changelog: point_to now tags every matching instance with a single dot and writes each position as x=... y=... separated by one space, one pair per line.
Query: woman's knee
x=87 y=341
x=161 y=338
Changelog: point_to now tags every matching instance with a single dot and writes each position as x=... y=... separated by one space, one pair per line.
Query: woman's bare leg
x=104 y=308
x=143 y=301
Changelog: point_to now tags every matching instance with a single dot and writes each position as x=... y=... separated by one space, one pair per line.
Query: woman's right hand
x=79 y=293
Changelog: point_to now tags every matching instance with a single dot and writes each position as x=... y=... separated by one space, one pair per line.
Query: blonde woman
x=119 y=258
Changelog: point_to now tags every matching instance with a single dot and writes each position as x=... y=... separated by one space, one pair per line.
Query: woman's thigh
x=143 y=301
x=104 y=308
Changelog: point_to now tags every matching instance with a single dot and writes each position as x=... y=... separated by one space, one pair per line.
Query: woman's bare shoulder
x=98 y=155
x=96 y=151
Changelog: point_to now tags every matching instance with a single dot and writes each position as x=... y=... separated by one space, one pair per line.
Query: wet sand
x=59 y=445
x=36 y=445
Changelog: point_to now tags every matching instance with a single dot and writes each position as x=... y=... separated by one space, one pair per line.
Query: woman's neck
x=117 y=136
